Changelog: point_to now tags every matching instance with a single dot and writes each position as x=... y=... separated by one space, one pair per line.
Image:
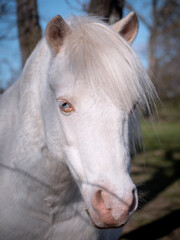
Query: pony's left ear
x=127 y=27
x=56 y=32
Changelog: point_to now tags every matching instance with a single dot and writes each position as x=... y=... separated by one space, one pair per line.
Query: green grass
x=161 y=135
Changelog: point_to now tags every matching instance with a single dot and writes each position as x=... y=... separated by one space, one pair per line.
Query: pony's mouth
x=107 y=226
x=104 y=225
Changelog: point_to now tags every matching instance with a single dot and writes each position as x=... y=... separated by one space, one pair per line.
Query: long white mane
x=102 y=57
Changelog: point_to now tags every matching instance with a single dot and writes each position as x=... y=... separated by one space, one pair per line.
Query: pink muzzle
x=108 y=210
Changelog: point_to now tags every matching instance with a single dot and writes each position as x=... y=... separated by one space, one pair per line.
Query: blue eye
x=65 y=106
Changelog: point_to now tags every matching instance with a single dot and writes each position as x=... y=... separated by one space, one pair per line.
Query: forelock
x=105 y=61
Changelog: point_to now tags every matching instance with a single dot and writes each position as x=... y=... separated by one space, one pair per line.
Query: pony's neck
x=21 y=111
x=24 y=148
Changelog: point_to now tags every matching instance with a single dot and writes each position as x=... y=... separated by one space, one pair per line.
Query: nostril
x=97 y=200
x=100 y=201
x=134 y=201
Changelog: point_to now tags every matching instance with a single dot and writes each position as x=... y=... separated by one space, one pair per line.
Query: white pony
x=64 y=129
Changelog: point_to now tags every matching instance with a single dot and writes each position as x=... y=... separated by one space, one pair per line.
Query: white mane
x=100 y=56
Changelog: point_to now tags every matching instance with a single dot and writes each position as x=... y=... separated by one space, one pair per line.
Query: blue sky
x=9 y=50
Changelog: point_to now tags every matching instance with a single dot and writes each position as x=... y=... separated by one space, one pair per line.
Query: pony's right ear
x=127 y=27
x=56 y=31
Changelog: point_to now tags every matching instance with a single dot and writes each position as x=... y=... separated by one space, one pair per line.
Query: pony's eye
x=65 y=106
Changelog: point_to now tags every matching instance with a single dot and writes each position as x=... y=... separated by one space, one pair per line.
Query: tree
x=164 y=48
x=25 y=13
x=111 y=10
x=29 y=29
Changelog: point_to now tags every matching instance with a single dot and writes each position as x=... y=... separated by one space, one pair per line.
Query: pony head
x=96 y=81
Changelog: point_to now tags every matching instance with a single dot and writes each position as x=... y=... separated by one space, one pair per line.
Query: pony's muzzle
x=112 y=211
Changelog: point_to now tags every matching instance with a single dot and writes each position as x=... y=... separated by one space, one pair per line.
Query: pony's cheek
x=74 y=163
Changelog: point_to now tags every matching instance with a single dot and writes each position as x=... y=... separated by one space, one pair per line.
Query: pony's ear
x=56 y=31
x=127 y=27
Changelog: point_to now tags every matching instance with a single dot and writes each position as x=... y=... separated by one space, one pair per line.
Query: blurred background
x=156 y=171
